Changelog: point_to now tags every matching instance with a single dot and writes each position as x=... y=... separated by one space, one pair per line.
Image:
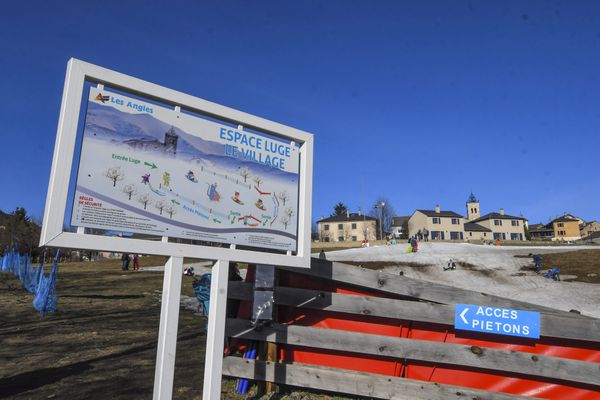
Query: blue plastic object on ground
x=45 y=300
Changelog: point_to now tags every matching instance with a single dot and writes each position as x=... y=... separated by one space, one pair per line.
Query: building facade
x=441 y=225
x=352 y=227
x=589 y=228
x=449 y=225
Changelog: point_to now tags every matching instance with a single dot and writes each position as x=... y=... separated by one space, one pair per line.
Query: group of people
x=552 y=273
x=413 y=246
x=126 y=260
x=423 y=235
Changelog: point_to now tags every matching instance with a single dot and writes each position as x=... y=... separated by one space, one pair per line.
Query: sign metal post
x=167 y=331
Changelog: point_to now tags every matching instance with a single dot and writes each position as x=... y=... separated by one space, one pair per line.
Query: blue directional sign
x=501 y=321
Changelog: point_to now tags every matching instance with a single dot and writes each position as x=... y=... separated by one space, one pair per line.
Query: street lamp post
x=380 y=206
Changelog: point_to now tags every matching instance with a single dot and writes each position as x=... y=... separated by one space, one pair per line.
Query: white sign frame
x=52 y=235
x=56 y=202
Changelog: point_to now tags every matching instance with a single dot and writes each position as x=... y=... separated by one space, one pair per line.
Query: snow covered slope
x=490 y=269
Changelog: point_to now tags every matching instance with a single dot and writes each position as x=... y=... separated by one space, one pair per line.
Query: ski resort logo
x=102 y=98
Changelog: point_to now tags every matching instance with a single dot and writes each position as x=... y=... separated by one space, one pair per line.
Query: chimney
x=359 y=212
x=502 y=211
x=437 y=208
x=347 y=213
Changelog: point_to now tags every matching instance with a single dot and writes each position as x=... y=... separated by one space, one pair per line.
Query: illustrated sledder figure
x=146 y=179
x=212 y=192
x=236 y=198
x=259 y=204
x=191 y=177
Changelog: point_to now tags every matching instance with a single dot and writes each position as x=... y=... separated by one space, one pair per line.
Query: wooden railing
x=414 y=301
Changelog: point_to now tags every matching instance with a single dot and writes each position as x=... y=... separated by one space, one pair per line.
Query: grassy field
x=101 y=344
x=585 y=264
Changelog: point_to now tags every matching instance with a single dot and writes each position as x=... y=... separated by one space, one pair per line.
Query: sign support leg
x=213 y=365
x=167 y=332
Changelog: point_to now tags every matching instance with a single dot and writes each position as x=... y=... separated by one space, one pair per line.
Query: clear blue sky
x=423 y=101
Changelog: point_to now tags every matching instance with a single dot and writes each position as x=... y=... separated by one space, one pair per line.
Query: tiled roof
x=471 y=227
x=447 y=214
x=496 y=215
x=343 y=218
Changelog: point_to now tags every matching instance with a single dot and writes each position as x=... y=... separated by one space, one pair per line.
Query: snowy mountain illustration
x=143 y=132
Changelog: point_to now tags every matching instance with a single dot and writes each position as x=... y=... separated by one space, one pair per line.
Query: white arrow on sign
x=462 y=316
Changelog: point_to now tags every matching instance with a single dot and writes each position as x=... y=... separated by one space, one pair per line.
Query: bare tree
x=244 y=173
x=283 y=196
x=383 y=208
x=347 y=235
x=258 y=180
x=130 y=189
x=160 y=205
x=169 y=209
x=115 y=174
x=145 y=199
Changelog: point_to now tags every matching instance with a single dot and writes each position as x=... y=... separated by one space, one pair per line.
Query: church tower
x=473 y=211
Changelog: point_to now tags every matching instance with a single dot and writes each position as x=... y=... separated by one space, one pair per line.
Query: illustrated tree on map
x=285 y=220
x=258 y=180
x=145 y=199
x=160 y=205
x=244 y=173
x=130 y=189
x=283 y=196
x=169 y=209
x=115 y=174
x=287 y=217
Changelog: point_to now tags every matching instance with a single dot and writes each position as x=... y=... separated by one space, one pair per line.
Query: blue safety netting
x=33 y=279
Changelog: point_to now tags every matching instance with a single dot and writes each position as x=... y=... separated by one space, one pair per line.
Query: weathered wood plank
x=353 y=382
x=552 y=325
x=402 y=285
x=423 y=350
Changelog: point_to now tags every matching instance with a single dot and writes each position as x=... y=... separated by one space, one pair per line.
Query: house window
x=326 y=227
x=340 y=226
x=514 y=236
x=484 y=234
x=504 y=236
x=435 y=235
x=514 y=223
x=436 y=220
x=353 y=226
x=496 y=236
x=340 y=238
x=455 y=221
x=354 y=239
x=455 y=235
x=498 y=222
x=470 y=233
x=562 y=233
x=327 y=239
x=561 y=225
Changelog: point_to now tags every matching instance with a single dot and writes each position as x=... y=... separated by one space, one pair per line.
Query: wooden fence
x=409 y=300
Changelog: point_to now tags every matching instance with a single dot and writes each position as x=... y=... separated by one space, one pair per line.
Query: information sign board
x=151 y=169
x=501 y=321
